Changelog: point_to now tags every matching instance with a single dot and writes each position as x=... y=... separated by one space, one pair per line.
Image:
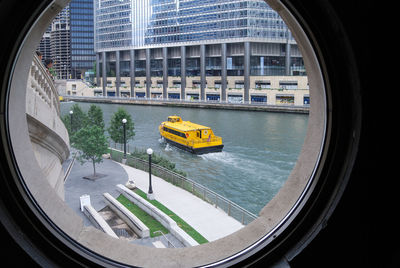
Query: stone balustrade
x=41 y=83
x=48 y=135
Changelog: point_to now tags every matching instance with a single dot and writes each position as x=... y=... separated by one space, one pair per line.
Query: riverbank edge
x=206 y=105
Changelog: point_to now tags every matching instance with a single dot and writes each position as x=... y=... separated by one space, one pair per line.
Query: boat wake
x=168 y=148
x=223 y=157
x=242 y=164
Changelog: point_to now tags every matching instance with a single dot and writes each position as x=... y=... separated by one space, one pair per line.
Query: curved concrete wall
x=48 y=135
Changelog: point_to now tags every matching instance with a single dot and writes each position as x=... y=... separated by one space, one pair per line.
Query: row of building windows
x=157 y=2
x=82 y=51
x=113 y=16
x=81 y=5
x=117 y=21
x=215 y=8
x=259 y=66
x=238 y=33
x=116 y=28
x=85 y=46
x=196 y=3
x=82 y=34
x=198 y=27
x=199 y=18
x=83 y=23
x=109 y=3
x=84 y=58
x=114 y=9
x=81 y=11
x=78 y=40
x=114 y=43
x=81 y=16
x=114 y=36
x=162 y=8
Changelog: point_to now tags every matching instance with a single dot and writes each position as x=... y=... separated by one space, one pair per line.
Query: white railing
x=42 y=84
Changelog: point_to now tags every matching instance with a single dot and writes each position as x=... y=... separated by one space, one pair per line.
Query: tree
x=79 y=120
x=92 y=143
x=116 y=129
x=95 y=116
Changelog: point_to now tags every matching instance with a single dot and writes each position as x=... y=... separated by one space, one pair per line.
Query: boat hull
x=201 y=150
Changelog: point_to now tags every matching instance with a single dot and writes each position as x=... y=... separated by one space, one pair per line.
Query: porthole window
x=65 y=232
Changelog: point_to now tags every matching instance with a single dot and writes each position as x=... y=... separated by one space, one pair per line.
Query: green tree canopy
x=95 y=116
x=92 y=143
x=116 y=130
x=79 y=120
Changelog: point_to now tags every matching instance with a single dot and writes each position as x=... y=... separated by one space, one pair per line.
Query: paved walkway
x=209 y=221
x=76 y=186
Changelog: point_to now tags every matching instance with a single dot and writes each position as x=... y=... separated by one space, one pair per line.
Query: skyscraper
x=82 y=43
x=231 y=40
x=60 y=44
x=69 y=40
x=44 y=45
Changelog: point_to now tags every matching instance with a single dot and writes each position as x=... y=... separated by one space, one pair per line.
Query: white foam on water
x=168 y=148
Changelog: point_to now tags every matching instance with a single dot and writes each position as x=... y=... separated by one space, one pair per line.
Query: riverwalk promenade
x=212 y=223
x=194 y=104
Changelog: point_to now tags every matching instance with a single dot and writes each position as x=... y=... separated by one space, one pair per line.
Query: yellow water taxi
x=189 y=136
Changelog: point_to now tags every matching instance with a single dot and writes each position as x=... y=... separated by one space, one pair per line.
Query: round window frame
x=52 y=225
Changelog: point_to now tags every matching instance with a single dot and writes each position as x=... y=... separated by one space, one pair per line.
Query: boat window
x=177 y=133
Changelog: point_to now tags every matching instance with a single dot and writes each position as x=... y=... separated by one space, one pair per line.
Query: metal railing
x=168 y=241
x=233 y=210
x=69 y=168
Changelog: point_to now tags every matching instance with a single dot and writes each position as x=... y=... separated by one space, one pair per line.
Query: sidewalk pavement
x=76 y=186
x=210 y=222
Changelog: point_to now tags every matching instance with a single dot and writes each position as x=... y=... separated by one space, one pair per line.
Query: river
x=260 y=148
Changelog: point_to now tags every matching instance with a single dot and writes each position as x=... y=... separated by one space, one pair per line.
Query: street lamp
x=124 y=125
x=150 y=195
x=70 y=115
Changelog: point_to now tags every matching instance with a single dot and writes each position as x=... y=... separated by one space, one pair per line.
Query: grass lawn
x=148 y=220
x=181 y=223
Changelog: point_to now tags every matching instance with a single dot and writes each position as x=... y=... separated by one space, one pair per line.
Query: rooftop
x=177 y=123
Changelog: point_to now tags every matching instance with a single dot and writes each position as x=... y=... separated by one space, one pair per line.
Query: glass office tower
x=82 y=43
x=214 y=41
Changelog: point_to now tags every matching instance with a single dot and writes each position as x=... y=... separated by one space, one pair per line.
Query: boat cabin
x=174 y=119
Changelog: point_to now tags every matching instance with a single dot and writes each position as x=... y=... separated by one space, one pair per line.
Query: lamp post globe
x=150 y=194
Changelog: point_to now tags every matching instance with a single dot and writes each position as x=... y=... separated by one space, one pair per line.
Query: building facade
x=60 y=44
x=69 y=41
x=187 y=47
x=82 y=44
x=44 y=45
